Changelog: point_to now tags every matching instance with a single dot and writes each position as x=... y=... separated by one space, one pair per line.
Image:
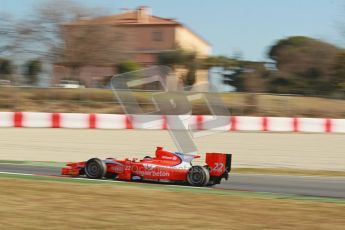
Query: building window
x=157 y=36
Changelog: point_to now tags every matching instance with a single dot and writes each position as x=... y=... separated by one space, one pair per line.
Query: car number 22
x=218 y=167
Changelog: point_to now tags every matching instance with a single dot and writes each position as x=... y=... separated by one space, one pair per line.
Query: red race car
x=165 y=166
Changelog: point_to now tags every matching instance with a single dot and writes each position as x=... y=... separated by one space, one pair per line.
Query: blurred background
x=280 y=61
x=270 y=54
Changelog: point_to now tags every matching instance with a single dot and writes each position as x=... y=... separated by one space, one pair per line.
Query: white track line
x=104 y=181
x=22 y=174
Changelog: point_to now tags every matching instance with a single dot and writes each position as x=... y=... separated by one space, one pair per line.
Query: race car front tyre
x=198 y=176
x=95 y=169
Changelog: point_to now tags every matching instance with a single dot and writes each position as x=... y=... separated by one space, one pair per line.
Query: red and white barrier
x=199 y=122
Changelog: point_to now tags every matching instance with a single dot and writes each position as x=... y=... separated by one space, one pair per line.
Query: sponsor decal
x=153 y=173
x=169 y=158
x=150 y=170
x=118 y=168
x=148 y=166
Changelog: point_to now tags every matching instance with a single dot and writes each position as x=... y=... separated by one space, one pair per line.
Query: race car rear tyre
x=198 y=176
x=95 y=169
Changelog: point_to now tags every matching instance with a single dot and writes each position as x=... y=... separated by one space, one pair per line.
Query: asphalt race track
x=298 y=185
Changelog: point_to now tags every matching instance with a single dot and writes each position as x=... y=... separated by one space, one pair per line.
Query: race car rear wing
x=219 y=165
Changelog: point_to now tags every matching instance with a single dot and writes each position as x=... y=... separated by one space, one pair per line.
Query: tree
x=233 y=73
x=254 y=77
x=304 y=63
x=32 y=70
x=245 y=76
x=180 y=57
x=190 y=78
x=338 y=77
x=174 y=57
x=280 y=83
x=7 y=34
x=234 y=77
x=219 y=61
x=6 y=69
x=127 y=66
x=40 y=35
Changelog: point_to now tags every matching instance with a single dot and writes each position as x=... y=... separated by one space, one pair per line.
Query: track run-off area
x=257 y=150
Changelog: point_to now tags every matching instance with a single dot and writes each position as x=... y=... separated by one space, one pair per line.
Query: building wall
x=109 y=45
x=144 y=45
x=97 y=44
x=147 y=37
x=189 y=41
x=95 y=50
